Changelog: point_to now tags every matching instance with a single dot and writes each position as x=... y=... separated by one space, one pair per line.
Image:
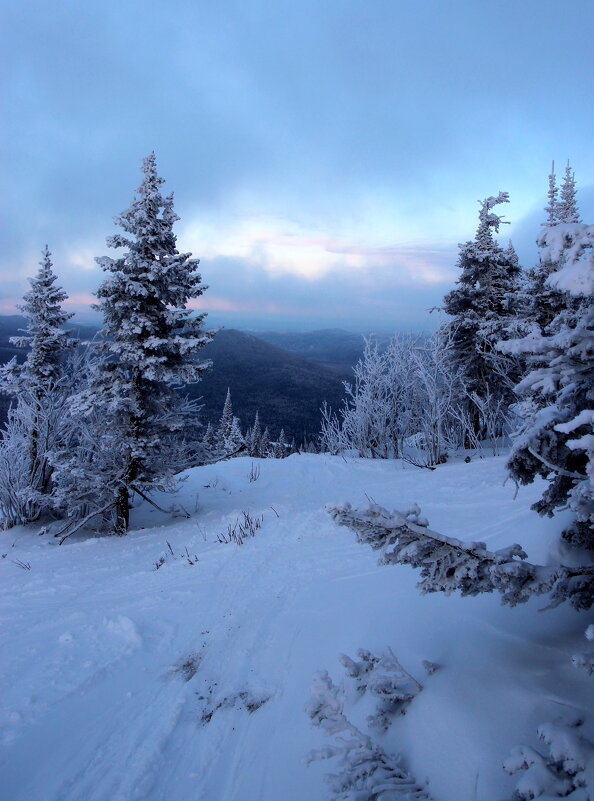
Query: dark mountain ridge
x=286 y=389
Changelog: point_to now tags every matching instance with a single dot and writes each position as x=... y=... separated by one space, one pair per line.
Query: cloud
x=325 y=141
x=369 y=298
x=286 y=247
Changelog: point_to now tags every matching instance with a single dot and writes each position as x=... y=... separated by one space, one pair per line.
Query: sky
x=326 y=156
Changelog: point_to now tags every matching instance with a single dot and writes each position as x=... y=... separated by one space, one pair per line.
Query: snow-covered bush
x=367 y=772
x=565 y=770
x=385 y=679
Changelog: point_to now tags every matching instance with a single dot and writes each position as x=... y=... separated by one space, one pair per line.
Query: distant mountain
x=12 y=325
x=287 y=389
x=336 y=349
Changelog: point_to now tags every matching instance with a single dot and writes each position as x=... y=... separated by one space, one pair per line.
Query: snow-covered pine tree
x=151 y=344
x=209 y=436
x=255 y=437
x=483 y=309
x=567 y=208
x=264 y=450
x=556 y=440
x=225 y=423
x=38 y=385
x=236 y=439
x=44 y=336
x=280 y=446
x=545 y=302
x=552 y=208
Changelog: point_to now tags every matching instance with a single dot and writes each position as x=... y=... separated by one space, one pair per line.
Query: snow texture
x=109 y=665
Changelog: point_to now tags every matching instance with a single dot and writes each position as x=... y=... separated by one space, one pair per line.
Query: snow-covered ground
x=121 y=681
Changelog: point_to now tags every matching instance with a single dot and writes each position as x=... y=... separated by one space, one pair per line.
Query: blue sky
x=326 y=156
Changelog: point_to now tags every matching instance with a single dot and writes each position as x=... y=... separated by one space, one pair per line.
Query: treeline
x=229 y=438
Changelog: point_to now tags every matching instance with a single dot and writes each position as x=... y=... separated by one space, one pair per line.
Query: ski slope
x=121 y=681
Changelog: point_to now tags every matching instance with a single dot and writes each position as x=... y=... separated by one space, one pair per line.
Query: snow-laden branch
x=448 y=564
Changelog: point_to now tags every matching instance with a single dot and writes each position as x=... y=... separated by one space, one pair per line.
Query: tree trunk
x=122 y=511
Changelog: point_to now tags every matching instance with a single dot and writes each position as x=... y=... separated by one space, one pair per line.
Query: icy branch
x=448 y=564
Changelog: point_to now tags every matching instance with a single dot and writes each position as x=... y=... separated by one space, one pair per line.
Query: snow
x=121 y=681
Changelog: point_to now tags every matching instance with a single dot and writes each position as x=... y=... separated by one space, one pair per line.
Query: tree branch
x=553 y=467
x=84 y=520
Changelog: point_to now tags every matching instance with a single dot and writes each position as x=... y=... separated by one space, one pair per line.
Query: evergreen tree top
x=145 y=294
x=567 y=210
x=44 y=334
x=42 y=303
x=488 y=221
x=552 y=209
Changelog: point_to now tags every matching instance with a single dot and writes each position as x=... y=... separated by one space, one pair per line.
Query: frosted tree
x=44 y=336
x=264 y=450
x=368 y=419
x=435 y=389
x=38 y=385
x=280 y=446
x=254 y=437
x=567 y=209
x=26 y=477
x=235 y=440
x=225 y=423
x=402 y=394
x=151 y=342
x=483 y=309
x=209 y=436
x=556 y=440
x=545 y=301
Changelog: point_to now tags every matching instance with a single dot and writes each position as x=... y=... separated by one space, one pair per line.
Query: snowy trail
x=188 y=683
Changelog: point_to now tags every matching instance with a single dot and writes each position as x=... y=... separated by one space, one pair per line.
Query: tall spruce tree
x=567 y=208
x=264 y=449
x=44 y=336
x=225 y=423
x=254 y=438
x=483 y=309
x=280 y=446
x=151 y=343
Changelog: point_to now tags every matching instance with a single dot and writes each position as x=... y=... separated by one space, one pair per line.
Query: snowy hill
x=123 y=680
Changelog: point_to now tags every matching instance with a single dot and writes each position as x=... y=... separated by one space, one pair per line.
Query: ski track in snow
x=110 y=667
